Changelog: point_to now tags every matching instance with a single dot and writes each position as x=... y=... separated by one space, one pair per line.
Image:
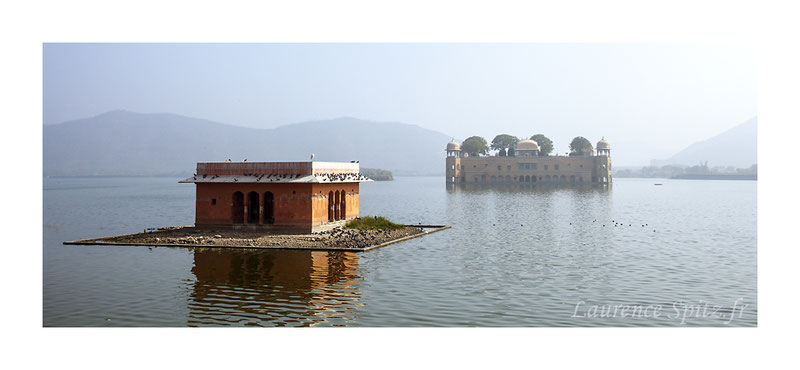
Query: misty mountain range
x=736 y=147
x=123 y=143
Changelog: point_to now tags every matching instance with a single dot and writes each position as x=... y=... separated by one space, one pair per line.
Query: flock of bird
x=329 y=177
x=334 y=177
x=615 y=224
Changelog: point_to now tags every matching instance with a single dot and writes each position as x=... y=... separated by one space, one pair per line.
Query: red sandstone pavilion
x=281 y=196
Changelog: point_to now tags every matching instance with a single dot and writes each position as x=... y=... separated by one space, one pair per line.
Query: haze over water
x=515 y=257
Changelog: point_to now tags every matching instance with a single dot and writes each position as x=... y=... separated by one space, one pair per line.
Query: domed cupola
x=453 y=149
x=527 y=148
x=603 y=147
x=453 y=145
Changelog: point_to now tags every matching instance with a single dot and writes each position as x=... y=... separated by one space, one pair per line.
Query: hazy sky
x=648 y=100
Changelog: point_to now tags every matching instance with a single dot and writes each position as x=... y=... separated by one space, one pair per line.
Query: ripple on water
x=514 y=257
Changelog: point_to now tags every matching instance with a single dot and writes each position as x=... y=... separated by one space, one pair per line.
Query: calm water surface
x=514 y=257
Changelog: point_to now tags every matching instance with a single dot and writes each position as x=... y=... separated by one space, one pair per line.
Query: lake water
x=514 y=257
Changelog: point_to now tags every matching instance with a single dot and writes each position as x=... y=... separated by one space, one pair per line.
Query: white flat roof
x=303 y=179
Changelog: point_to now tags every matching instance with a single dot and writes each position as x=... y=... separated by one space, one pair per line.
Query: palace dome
x=603 y=145
x=527 y=145
x=453 y=145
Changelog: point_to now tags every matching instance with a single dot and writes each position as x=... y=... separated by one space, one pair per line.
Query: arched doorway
x=336 y=207
x=343 y=207
x=252 y=207
x=237 y=208
x=330 y=206
x=269 y=208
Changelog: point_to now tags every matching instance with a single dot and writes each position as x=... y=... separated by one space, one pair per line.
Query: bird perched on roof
x=312 y=156
x=245 y=160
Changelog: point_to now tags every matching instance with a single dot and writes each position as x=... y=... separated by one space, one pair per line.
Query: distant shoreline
x=696 y=177
x=716 y=177
x=382 y=176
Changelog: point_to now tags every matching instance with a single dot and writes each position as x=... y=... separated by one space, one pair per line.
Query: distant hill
x=122 y=143
x=377 y=174
x=735 y=147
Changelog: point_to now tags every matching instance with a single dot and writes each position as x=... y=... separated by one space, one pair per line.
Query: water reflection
x=517 y=187
x=274 y=288
x=521 y=256
x=549 y=240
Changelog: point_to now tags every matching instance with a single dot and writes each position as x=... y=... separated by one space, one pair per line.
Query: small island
x=358 y=235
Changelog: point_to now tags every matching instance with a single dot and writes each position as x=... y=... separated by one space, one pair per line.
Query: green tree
x=580 y=145
x=474 y=145
x=503 y=142
x=545 y=144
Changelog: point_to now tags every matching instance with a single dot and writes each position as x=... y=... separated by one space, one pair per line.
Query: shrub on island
x=377 y=222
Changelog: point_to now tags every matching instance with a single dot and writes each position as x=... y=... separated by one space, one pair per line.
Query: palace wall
x=291 y=205
x=546 y=169
x=320 y=193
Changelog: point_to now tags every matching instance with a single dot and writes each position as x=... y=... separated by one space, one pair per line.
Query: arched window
x=336 y=207
x=508 y=179
x=330 y=206
x=344 y=206
x=252 y=207
x=237 y=208
x=269 y=208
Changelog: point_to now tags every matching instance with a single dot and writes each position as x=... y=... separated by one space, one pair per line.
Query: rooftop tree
x=474 y=145
x=580 y=145
x=545 y=144
x=503 y=142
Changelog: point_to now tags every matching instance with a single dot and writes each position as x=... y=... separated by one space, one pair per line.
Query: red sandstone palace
x=286 y=196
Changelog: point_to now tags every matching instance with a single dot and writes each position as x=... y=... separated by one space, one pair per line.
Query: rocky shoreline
x=339 y=238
